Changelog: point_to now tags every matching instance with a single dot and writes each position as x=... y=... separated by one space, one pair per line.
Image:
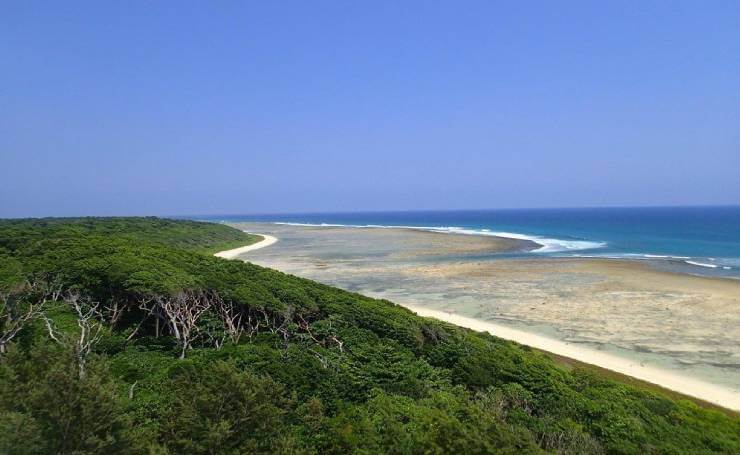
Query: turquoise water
x=697 y=240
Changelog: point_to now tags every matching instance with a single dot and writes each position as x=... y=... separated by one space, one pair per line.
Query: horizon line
x=336 y=212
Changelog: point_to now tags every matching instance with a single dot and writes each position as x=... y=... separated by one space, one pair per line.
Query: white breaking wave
x=685 y=259
x=313 y=224
x=554 y=245
x=547 y=245
x=701 y=264
x=663 y=256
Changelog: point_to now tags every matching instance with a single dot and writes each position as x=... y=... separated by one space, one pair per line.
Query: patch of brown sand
x=417 y=243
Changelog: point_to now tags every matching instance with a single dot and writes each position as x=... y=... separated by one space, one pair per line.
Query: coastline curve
x=266 y=241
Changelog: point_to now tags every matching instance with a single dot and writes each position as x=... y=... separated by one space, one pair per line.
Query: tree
x=20 y=434
x=15 y=313
x=46 y=402
x=231 y=316
x=21 y=305
x=181 y=313
x=216 y=408
x=89 y=324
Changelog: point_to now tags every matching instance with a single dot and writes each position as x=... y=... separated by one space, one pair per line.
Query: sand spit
x=231 y=254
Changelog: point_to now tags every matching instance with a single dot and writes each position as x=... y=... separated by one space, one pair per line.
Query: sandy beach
x=677 y=331
x=267 y=240
x=721 y=396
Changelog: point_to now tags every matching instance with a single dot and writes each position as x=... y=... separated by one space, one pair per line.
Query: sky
x=186 y=108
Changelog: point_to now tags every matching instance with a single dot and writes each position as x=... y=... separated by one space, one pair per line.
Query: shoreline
x=695 y=388
x=718 y=395
x=267 y=240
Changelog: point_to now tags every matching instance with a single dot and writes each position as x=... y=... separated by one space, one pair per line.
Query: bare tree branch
x=181 y=313
x=88 y=321
x=115 y=309
x=231 y=315
x=50 y=329
x=22 y=305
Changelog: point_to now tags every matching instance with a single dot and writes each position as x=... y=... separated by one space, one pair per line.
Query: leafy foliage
x=315 y=370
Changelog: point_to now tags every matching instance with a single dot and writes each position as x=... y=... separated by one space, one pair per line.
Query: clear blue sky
x=238 y=107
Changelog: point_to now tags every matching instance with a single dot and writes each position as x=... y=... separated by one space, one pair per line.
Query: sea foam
x=701 y=264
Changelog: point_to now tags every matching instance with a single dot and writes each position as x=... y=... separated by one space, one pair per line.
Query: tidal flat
x=686 y=324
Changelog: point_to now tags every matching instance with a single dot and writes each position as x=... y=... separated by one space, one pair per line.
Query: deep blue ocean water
x=699 y=240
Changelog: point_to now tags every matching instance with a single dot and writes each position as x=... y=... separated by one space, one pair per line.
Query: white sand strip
x=231 y=254
x=697 y=388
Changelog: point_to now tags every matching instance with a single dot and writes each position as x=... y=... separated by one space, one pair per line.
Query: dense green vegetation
x=130 y=339
x=190 y=235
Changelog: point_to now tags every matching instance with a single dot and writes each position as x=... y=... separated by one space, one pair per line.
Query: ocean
x=694 y=240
